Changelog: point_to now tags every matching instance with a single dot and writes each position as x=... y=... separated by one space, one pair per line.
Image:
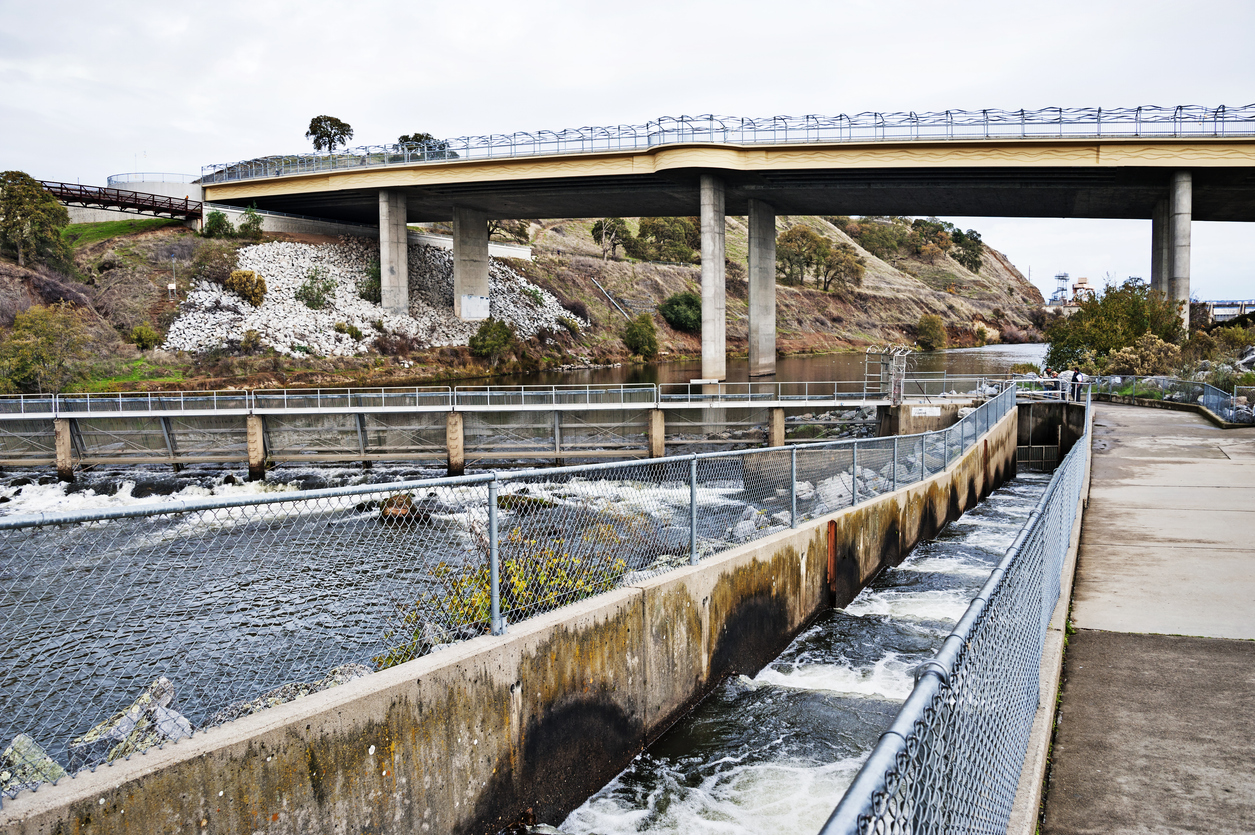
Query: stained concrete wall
x=1048 y=423
x=467 y=739
x=913 y=418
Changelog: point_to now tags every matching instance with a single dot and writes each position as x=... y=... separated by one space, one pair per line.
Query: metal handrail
x=950 y=125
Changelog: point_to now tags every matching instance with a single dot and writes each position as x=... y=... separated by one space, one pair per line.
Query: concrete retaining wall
x=467 y=739
x=912 y=419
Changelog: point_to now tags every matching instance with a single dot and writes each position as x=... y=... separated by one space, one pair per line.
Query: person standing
x=1065 y=383
x=1078 y=382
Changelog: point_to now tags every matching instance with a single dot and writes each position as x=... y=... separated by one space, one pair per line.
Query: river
x=775 y=752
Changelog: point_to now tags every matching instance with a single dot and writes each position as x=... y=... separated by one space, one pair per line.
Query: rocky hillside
x=212 y=337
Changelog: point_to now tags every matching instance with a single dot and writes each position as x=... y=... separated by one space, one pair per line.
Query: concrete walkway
x=1156 y=725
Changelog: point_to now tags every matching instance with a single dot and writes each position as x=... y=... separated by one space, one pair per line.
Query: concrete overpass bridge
x=1169 y=165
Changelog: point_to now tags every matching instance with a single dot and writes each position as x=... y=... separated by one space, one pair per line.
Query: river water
x=774 y=753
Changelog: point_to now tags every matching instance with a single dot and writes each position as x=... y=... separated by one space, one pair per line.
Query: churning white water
x=774 y=753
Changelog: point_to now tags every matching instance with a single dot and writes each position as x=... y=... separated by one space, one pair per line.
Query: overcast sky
x=89 y=89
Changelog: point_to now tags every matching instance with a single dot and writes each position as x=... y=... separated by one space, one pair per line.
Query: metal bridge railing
x=952 y=758
x=1047 y=123
x=132 y=627
x=269 y=401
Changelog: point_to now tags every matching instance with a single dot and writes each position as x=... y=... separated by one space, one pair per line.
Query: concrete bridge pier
x=65 y=450
x=714 y=300
x=762 y=290
x=470 y=264
x=394 y=277
x=1159 y=250
x=1180 y=213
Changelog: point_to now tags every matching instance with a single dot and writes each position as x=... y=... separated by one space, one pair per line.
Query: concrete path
x=1156 y=725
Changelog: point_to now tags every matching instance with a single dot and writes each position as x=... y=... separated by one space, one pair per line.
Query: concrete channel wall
x=469 y=739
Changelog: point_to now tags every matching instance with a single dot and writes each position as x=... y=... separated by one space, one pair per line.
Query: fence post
x=793 y=487
x=895 y=463
x=494 y=570
x=854 y=475
x=693 y=510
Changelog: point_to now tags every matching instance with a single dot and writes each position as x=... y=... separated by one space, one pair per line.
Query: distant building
x=1223 y=311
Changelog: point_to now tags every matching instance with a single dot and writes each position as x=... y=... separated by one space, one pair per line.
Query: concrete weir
x=467 y=740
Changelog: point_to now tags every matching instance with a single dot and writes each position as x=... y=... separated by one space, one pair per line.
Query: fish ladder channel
x=774 y=753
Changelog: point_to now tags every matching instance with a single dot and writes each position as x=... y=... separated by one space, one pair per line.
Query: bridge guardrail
x=948 y=125
x=269 y=401
x=951 y=760
x=218 y=607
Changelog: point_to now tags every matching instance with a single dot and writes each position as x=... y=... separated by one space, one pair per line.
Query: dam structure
x=456 y=425
x=528 y=632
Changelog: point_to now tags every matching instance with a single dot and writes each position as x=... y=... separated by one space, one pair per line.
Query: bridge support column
x=394 y=278
x=657 y=433
x=470 y=264
x=1181 y=211
x=775 y=428
x=256 y=435
x=762 y=290
x=65 y=449
x=714 y=299
x=1159 y=249
x=454 y=443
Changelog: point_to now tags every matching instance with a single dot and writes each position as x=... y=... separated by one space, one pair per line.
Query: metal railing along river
x=134 y=626
x=948 y=125
x=952 y=759
x=444 y=398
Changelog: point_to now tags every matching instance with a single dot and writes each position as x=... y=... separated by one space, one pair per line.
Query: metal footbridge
x=138 y=202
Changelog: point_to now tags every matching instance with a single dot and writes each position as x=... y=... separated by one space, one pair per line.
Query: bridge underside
x=1226 y=194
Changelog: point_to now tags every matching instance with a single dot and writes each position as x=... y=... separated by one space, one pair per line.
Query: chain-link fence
x=1227 y=405
x=133 y=627
x=951 y=761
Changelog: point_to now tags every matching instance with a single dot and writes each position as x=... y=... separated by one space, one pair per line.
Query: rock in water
x=93 y=747
x=24 y=765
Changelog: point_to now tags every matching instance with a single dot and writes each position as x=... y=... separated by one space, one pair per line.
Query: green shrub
x=683 y=311
x=217 y=226
x=352 y=330
x=533 y=294
x=370 y=288
x=572 y=326
x=318 y=291
x=251 y=342
x=1025 y=368
x=145 y=337
x=214 y=261
x=493 y=339
x=931 y=332
x=247 y=284
x=250 y=224
x=641 y=337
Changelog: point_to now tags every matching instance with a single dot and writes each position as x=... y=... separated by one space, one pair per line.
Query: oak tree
x=328 y=132
x=31 y=219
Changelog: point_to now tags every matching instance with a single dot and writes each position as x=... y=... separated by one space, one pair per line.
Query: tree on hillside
x=328 y=132
x=930 y=333
x=667 y=239
x=43 y=350
x=968 y=249
x=31 y=219
x=1114 y=320
x=799 y=250
x=611 y=233
x=841 y=269
x=431 y=147
x=518 y=231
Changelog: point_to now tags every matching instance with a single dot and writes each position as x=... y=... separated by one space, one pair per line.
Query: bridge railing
x=1186 y=121
x=132 y=403
x=952 y=758
x=269 y=401
x=221 y=606
x=1223 y=404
